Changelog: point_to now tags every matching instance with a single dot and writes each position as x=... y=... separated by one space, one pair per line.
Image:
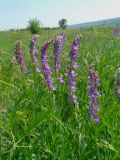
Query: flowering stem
x=19 y=57
x=45 y=67
x=93 y=80
x=58 y=45
x=117 y=88
x=73 y=65
x=33 y=51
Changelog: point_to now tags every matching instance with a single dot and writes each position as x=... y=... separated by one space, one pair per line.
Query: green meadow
x=32 y=125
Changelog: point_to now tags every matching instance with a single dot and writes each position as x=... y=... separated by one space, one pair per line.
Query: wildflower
x=117 y=88
x=45 y=67
x=116 y=32
x=94 y=81
x=33 y=51
x=61 y=80
x=19 y=57
x=58 y=45
x=73 y=65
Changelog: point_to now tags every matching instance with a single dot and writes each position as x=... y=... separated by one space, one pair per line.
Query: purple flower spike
x=33 y=51
x=58 y=45
x=19 y=57
x=94 y=81
x=45 y=67
x=117 y=88
x=73 y=65
x=116 y=32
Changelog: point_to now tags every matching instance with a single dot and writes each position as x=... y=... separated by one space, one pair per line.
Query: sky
x=17 y=13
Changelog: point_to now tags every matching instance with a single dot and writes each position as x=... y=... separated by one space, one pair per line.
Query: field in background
x=31 y=117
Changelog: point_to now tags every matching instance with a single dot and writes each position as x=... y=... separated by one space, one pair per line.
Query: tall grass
x=32 y=126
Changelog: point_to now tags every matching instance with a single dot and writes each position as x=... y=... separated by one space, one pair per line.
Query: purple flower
x=73 y=98
x=117 y=88
x=45 y=67
x=58 y=45
x=33 y=51
x=93 y=80
x=61 y=80
x=73 y=65
x=19 y=57
x=116 y=32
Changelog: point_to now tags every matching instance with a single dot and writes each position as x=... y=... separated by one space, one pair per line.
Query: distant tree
x=46 y=28
x=34 y=26
x=62 y=23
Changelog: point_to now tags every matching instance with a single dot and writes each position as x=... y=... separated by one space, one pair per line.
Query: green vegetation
x=32 y=126
x=34 y=26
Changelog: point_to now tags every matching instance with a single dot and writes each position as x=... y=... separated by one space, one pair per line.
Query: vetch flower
x=117 y=87
x=116 y=32
x=61 y=80
x=73 y=65
x=33 y=51
x=58 y=45
x=45 y=67
x=19 y=57
x=94 y=81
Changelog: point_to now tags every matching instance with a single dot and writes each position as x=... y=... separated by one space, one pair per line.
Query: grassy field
x=32 y=126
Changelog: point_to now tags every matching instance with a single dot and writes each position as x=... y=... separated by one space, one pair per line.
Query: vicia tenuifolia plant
x=58 y=46
x=33 y=52
x=19 y=57
x=73 y=65
x=93 y=83
x=116 y=32
x=117 y=87
x=45 y=67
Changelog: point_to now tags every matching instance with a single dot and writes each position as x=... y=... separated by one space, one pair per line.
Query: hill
x=107 y=22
